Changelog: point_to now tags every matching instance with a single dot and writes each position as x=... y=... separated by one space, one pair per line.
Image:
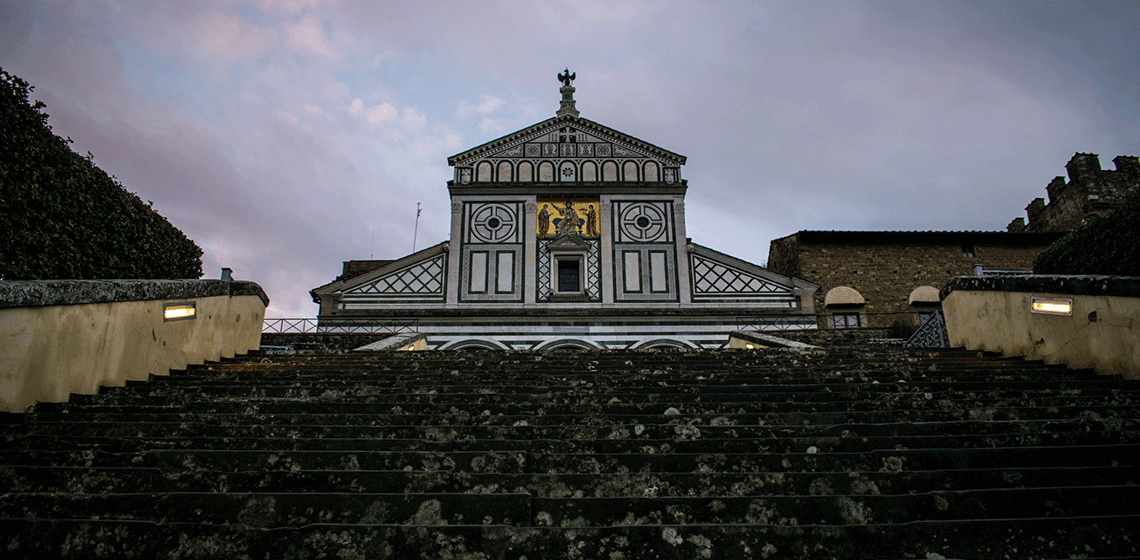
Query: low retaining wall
x=59 y=337
x=1101 y=332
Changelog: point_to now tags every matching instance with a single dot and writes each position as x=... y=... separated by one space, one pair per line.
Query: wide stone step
x=839 y=509
x=684 y=439
x=761 y=413
x=1060 y=537
x=121 y=480
x=292 y=509
x=661 y=428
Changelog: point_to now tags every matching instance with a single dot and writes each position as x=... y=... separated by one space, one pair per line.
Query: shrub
x=1107 y=245
x=901 y=329
x=61 y=217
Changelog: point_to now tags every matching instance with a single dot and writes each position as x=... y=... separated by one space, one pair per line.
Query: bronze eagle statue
x=566 y=77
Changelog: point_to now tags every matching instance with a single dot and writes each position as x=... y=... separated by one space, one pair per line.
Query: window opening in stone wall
x=569 y=276
x=968 y=250
x=846 y=320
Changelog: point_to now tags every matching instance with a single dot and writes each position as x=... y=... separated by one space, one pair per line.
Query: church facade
x=568 y=233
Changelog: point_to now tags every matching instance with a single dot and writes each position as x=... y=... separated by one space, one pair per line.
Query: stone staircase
x=840 y=453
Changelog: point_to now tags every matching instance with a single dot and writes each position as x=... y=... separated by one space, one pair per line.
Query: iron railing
x=338 y=326
x=827 y=320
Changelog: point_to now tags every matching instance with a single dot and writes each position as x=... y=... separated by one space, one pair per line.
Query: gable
x=567 y=149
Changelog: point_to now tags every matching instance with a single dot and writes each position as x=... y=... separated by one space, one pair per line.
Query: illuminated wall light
x=1052 y=306
x=178 y=311
x=749 y=346
x=410 y=348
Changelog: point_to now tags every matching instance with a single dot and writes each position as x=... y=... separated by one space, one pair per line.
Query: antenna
x=417 y=228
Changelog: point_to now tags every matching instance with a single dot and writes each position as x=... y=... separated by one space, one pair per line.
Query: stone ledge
x=1121 y=286
x=44 y=293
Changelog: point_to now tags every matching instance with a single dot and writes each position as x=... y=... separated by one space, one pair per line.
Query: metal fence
x=338 y=326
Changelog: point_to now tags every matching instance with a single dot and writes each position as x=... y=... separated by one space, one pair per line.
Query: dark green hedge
x=63 y=217
x=1108 y=245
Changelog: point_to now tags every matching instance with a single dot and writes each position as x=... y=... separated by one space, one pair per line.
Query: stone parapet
x=60 y=337
x=1097 y=330
x=42 y=293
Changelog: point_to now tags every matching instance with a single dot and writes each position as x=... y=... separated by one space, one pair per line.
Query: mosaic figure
x=591 y=222
x=543 y=221
x=569 y=223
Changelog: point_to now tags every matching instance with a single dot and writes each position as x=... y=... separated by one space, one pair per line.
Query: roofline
x=837 y=236
x=584 y=123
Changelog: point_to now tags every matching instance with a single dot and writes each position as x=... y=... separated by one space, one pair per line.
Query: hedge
x=61 y=217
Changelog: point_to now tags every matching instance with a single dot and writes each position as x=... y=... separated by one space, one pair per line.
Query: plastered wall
x=1103 y=332
x=48 y=352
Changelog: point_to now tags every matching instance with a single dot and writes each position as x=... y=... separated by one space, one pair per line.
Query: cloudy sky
x=286 y=136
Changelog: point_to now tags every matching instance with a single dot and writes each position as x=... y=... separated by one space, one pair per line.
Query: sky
x=287 y=136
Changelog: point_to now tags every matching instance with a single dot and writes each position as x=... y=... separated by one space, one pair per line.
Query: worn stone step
x=684 y=438
x=1008 y=503
x=1092 y=538
x=261 y=509
x=133 y=479
x=707 y=428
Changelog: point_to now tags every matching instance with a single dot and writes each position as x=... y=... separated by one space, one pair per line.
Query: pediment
x=565 y=138
x=568 y=243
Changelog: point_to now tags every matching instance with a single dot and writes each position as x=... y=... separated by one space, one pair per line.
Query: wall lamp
x=178 y=311
x=1052 y=306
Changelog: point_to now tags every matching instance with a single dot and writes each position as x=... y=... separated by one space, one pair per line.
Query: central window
x=569 y=276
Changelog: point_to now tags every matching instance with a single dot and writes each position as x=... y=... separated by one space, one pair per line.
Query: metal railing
x=338 y=326
x=880 y=319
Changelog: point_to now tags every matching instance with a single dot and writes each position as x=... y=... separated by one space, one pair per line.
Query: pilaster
x=530 y=252
x=605 y=209
x=684 y=292
x=455 y=249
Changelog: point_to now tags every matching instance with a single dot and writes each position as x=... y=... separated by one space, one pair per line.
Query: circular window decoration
x=493 y=223
x=643 y=221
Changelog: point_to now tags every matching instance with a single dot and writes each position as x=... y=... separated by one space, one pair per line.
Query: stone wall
x=1090 y=191
x=72 y=336
x=885 y=267
x=1098 y=332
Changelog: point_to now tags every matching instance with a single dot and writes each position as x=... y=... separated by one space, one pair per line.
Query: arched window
x=483 y=172
x=651 y=172
x=567 y=173
x=589 y=171
x=526 y=172
x=844 y=303
x=924 y=301
x=546 y=172
x=505 y=171
x=609 y=171
x=629 y=171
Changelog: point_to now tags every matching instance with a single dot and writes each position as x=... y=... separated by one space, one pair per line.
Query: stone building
x=567 y=233
x=874 y=278
x=1090 y=191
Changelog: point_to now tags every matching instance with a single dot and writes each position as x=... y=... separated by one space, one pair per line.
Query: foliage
x=1104 y=246
x=63 y=217
x=902 y=329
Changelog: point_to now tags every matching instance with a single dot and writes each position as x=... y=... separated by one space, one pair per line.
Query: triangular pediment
x=568 y=242
x=567 y=137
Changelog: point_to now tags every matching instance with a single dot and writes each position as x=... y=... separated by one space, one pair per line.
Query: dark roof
x=352 y=269
x=913 y=237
